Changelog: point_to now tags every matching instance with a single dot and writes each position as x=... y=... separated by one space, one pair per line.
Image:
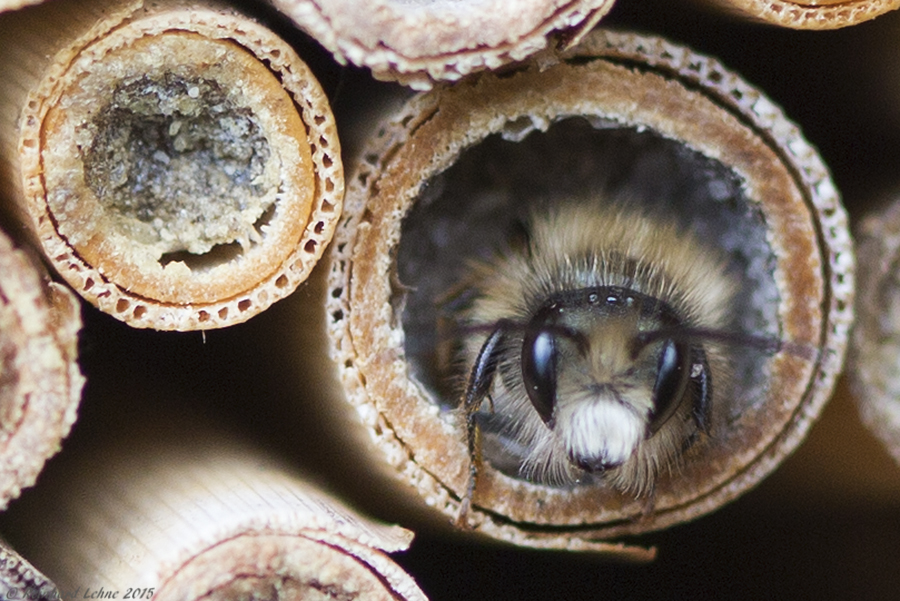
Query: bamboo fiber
x=40 y=382
x=417 y=43
x=875 y=352
x=818 y=14
x=194 y=515
x=461 y=159
x=179 y=165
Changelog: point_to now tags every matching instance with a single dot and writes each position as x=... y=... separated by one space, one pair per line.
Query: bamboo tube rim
x=420 y=43
x=289 y=563
x=821 y=15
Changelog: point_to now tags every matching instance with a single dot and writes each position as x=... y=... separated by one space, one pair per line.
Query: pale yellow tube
x=182 y=513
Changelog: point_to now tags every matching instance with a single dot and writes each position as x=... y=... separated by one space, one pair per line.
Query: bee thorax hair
x=579 y=245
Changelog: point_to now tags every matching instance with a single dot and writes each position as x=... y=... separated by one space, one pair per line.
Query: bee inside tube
x=585 y=301
x=585 y=332
x=595 y=362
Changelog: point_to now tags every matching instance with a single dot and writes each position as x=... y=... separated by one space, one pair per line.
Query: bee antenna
x=478 y=328
x=766 y=344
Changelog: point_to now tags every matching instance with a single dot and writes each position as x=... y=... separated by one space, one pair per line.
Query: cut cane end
x=203 y=190
x=798 y=280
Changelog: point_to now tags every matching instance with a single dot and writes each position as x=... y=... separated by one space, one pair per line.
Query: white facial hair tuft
x=601 y=432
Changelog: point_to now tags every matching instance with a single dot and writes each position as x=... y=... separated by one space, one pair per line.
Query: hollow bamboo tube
x=40 y=382
x=672 y=131
x=190 y=514
x=817 y=14
x=179 y=166
x=418 y=43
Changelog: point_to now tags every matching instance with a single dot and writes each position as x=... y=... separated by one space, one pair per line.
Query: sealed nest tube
x=419 y=43
x=627 y=268
x=179 y=166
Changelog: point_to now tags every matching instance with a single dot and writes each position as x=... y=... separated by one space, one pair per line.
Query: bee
x=596 y=345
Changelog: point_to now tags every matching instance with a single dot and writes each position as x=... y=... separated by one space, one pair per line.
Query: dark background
x=826 y=525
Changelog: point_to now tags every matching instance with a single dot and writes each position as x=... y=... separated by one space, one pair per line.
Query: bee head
x=599 y=376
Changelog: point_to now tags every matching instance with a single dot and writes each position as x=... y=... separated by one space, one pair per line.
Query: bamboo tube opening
x=493 y=187
x=179 y=192
x=455 y=172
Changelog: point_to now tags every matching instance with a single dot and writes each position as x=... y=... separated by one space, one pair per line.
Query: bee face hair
x=573 y=341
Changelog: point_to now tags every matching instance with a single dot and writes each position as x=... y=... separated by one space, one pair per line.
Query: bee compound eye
x=539 y=371
x=671 y=377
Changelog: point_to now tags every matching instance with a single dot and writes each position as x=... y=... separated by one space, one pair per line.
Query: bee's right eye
x=539 y=371
x=671 y=379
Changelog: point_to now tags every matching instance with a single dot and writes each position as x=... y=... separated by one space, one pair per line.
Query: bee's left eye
x=671 y=377
x=539 y=371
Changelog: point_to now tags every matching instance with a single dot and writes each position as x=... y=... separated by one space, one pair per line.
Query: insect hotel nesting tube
x=179 y=166
x=40 y=382
x=174 y=512
x=502 y=234
x=417 y=43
